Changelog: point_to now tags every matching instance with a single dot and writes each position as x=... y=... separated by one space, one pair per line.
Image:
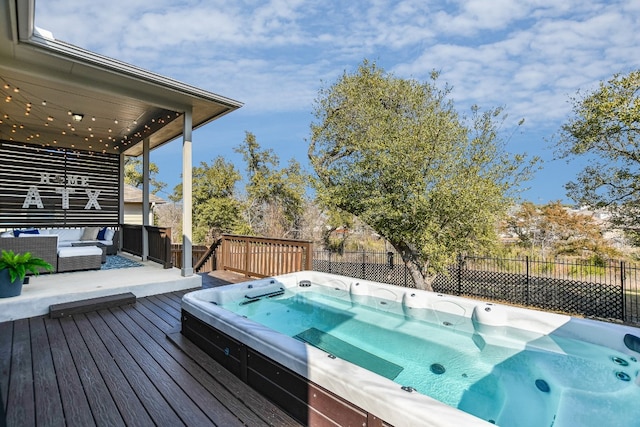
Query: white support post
x=145 y=198
x=187 y=199
x=121 y=199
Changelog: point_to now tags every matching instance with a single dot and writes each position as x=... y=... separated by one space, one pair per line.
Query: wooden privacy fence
x=263 y=256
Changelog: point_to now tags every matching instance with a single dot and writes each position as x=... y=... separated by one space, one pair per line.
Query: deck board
x=74 y=400
x=116 y=366
x=20 y=393
x=126 y=399
x=102 y=405
x=47 y=399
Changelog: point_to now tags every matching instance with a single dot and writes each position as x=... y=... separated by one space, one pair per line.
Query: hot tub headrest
x=632 y=342
x=264 y=291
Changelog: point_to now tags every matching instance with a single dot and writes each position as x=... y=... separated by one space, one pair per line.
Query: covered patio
x=69 y=119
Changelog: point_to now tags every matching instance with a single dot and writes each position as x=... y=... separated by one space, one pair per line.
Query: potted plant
x=13 y=269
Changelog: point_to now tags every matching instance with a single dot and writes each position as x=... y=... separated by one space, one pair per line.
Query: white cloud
x=526 y=55
x=529 y=56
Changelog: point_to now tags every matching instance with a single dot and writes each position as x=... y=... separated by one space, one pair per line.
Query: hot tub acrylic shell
x=379 y=398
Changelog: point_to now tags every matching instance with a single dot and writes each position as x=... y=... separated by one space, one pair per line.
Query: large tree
x=275 y=196
x=553 y=229
x=605 y=128
x=216 y=209
x=395 y=153
x=133 y=174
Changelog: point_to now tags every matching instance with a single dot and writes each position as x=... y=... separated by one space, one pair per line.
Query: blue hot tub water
x=518 y=379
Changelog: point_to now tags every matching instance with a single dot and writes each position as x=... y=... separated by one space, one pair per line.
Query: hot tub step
x=91 y=304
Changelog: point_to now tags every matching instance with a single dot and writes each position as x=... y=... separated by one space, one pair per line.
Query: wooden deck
x=118 y=366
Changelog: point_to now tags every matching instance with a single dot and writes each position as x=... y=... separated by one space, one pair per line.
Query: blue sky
x=528 y=56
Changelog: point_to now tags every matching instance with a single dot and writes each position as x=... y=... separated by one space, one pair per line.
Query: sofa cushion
x=90 y=233
x=74 y=251
x=67 y=234
x=7 y=234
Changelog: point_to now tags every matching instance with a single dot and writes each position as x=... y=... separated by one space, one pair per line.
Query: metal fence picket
x=606 y=290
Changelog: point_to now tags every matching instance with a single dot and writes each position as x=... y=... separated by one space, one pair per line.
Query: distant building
x=133 y=205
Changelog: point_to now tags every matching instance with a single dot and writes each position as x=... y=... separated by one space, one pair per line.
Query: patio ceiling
x=44 y=81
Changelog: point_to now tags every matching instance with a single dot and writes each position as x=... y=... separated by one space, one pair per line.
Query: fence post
x=406 y=272
x=363 y=261
x=459 y=274
x=624 y=294
x=247 y=257
x=526 y=291
x=330 y=269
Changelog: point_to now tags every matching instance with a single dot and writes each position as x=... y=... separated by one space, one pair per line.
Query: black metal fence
x=605 y=290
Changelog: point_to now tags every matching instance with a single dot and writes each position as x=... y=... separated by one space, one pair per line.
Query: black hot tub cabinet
x=302 y=399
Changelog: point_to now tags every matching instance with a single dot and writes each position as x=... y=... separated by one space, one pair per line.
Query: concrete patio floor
x=47 y=289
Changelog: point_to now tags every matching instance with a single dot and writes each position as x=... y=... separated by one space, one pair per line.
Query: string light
x=122 y=136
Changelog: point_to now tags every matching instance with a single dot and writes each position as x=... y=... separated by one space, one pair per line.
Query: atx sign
x=67 y=185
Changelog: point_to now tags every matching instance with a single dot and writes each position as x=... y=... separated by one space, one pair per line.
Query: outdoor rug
x=117 y=261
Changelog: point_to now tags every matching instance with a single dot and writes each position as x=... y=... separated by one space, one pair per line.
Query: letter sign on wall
x=55 y=186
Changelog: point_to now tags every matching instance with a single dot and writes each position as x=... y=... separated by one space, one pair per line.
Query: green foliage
x=553 y=229
x=19 y=264
x=275 y=197
x=597 y=260
x=542 y=267
x=593 y=267
x=336 y=220
x=605 y=128
x=133 y=174
x=396 y=154
x=216 y=210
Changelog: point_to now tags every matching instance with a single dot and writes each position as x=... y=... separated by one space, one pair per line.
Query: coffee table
x=96 y=244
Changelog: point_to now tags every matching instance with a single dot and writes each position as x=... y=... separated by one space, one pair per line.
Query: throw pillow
x=90 y=233
x=101 y=233
x=17 y=233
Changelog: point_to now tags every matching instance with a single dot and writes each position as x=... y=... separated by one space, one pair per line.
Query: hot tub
x=484 y=363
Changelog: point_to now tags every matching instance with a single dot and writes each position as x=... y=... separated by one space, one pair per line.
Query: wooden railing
x=207 y=261
x=248 y=255
x=197 y=252
x=262 y=256
x=131 y=239
x=160 y=245
x=159 y=241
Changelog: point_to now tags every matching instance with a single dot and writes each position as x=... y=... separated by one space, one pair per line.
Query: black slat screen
x=44 y=186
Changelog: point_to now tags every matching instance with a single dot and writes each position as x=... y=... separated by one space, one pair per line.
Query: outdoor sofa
x=46 y=243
